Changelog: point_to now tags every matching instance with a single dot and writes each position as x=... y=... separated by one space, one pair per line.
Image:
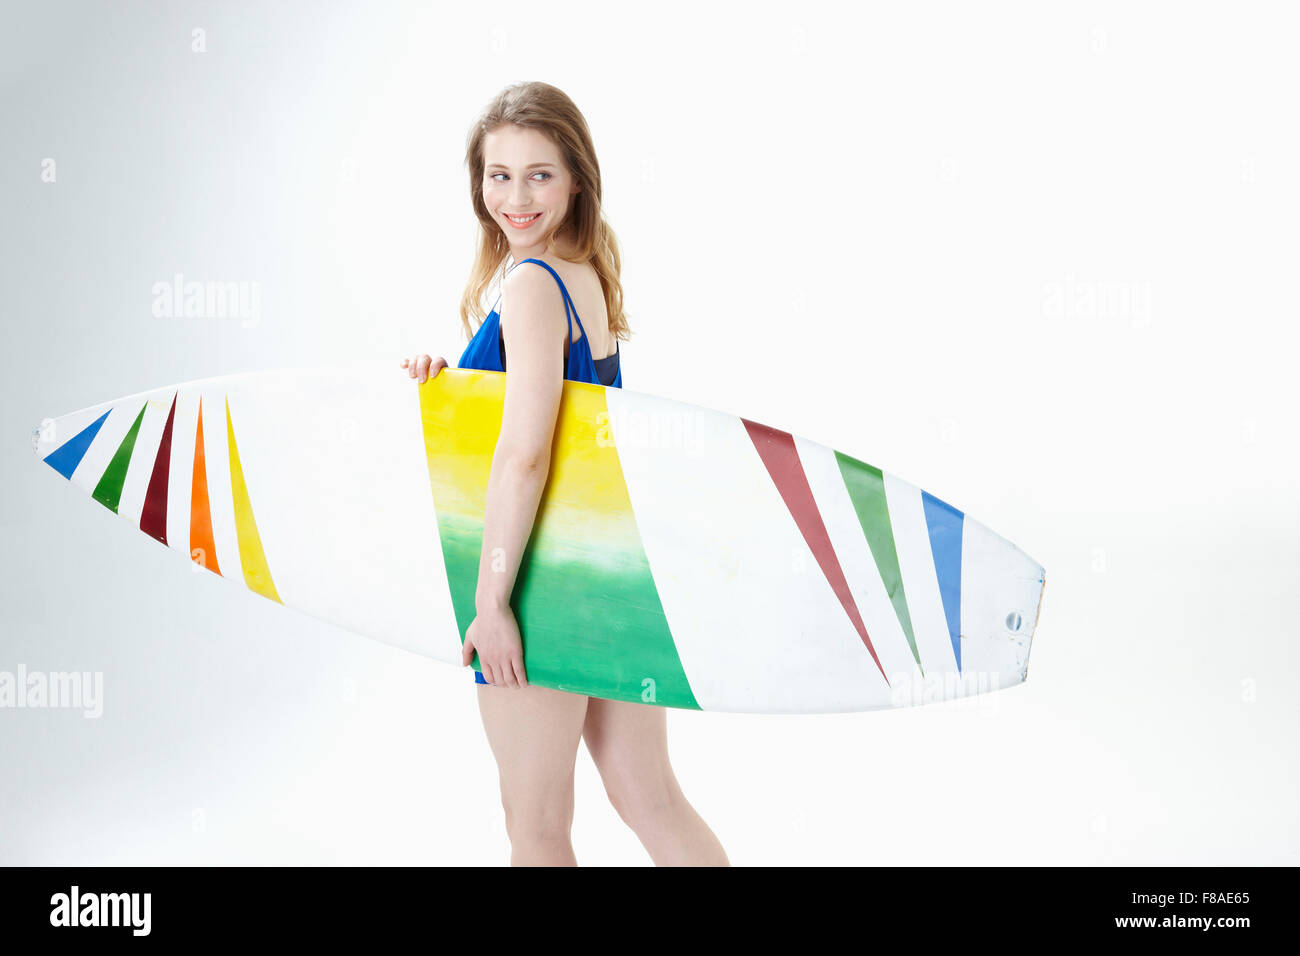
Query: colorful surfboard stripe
x=109 y=490
x=944 y=522
x=866 y=487
x=252 y=557
x=153 y=517
x=583 y=569
x=67 y=456
x=781 y=458
x=153 y=520
x=203 y=549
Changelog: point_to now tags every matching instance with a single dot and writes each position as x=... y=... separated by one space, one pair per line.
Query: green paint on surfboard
x=866 y=487
x=591 y=624
x=109 y=490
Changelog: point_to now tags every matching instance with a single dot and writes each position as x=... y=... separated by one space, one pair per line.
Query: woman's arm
x=535 y=328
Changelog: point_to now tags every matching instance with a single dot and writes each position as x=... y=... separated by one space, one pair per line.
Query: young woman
x=535 y=187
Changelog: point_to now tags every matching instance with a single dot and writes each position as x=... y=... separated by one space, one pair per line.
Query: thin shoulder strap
x=570 y=310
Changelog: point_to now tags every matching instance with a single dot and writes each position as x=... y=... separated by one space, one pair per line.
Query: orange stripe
x=202 y=547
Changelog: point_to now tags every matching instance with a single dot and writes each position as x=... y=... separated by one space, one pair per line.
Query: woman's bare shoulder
x=532 y=292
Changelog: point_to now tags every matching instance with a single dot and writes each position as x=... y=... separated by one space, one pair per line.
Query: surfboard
x=680 y=557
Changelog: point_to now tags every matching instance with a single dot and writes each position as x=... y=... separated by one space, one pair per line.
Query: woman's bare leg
x=629 y=744
x=534 y=733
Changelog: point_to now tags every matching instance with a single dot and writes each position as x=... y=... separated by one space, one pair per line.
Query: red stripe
x=153 y=519
x=781 y=458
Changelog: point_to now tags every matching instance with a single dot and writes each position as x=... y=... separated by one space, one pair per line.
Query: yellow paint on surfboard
x=585 y=503
x=252 y=557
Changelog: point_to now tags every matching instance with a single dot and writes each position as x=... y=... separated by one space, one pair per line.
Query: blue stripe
x=944 y=523
x=478 y=677
x=67 y=456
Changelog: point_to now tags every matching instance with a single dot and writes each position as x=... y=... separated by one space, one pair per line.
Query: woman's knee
x=538 y=818
x=645 y=796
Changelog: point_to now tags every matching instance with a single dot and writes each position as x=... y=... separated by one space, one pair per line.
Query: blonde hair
x=549 y=110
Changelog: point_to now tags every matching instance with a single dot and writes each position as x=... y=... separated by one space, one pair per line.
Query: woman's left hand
x=424 y=367
x=494 y=633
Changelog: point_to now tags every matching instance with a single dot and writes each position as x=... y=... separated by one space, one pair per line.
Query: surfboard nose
x=43 y=438
x=62 y=442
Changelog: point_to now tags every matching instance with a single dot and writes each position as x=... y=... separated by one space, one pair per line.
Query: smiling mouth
x=522 y=220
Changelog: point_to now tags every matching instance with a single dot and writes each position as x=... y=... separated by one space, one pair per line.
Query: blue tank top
x=487 y=350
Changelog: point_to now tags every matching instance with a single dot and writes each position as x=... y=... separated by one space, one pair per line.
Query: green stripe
x=593 y=626
x=866 y=487
x=109 y=490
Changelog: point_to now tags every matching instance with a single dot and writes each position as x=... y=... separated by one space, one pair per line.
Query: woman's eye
x=539 y=173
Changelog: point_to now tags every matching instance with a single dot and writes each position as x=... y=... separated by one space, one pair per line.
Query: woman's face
x=526 y=186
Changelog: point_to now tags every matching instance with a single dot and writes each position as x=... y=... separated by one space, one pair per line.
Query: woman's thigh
x=629 y=745
x=534 y=733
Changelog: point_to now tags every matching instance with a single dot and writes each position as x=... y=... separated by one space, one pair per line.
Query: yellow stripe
x=251 y=556
x=586 y=498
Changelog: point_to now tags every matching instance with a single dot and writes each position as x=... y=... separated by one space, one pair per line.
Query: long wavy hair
x=543 y=107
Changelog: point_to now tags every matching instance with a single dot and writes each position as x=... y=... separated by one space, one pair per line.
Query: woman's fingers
x=424 y=367
x=501 y=662
x=502 y=672
x=418 y=366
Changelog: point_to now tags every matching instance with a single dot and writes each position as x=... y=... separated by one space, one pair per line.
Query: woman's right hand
x=423 y=367
x=494 y=636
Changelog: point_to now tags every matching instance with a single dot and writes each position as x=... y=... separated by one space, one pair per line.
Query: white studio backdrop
x=1035 y=259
